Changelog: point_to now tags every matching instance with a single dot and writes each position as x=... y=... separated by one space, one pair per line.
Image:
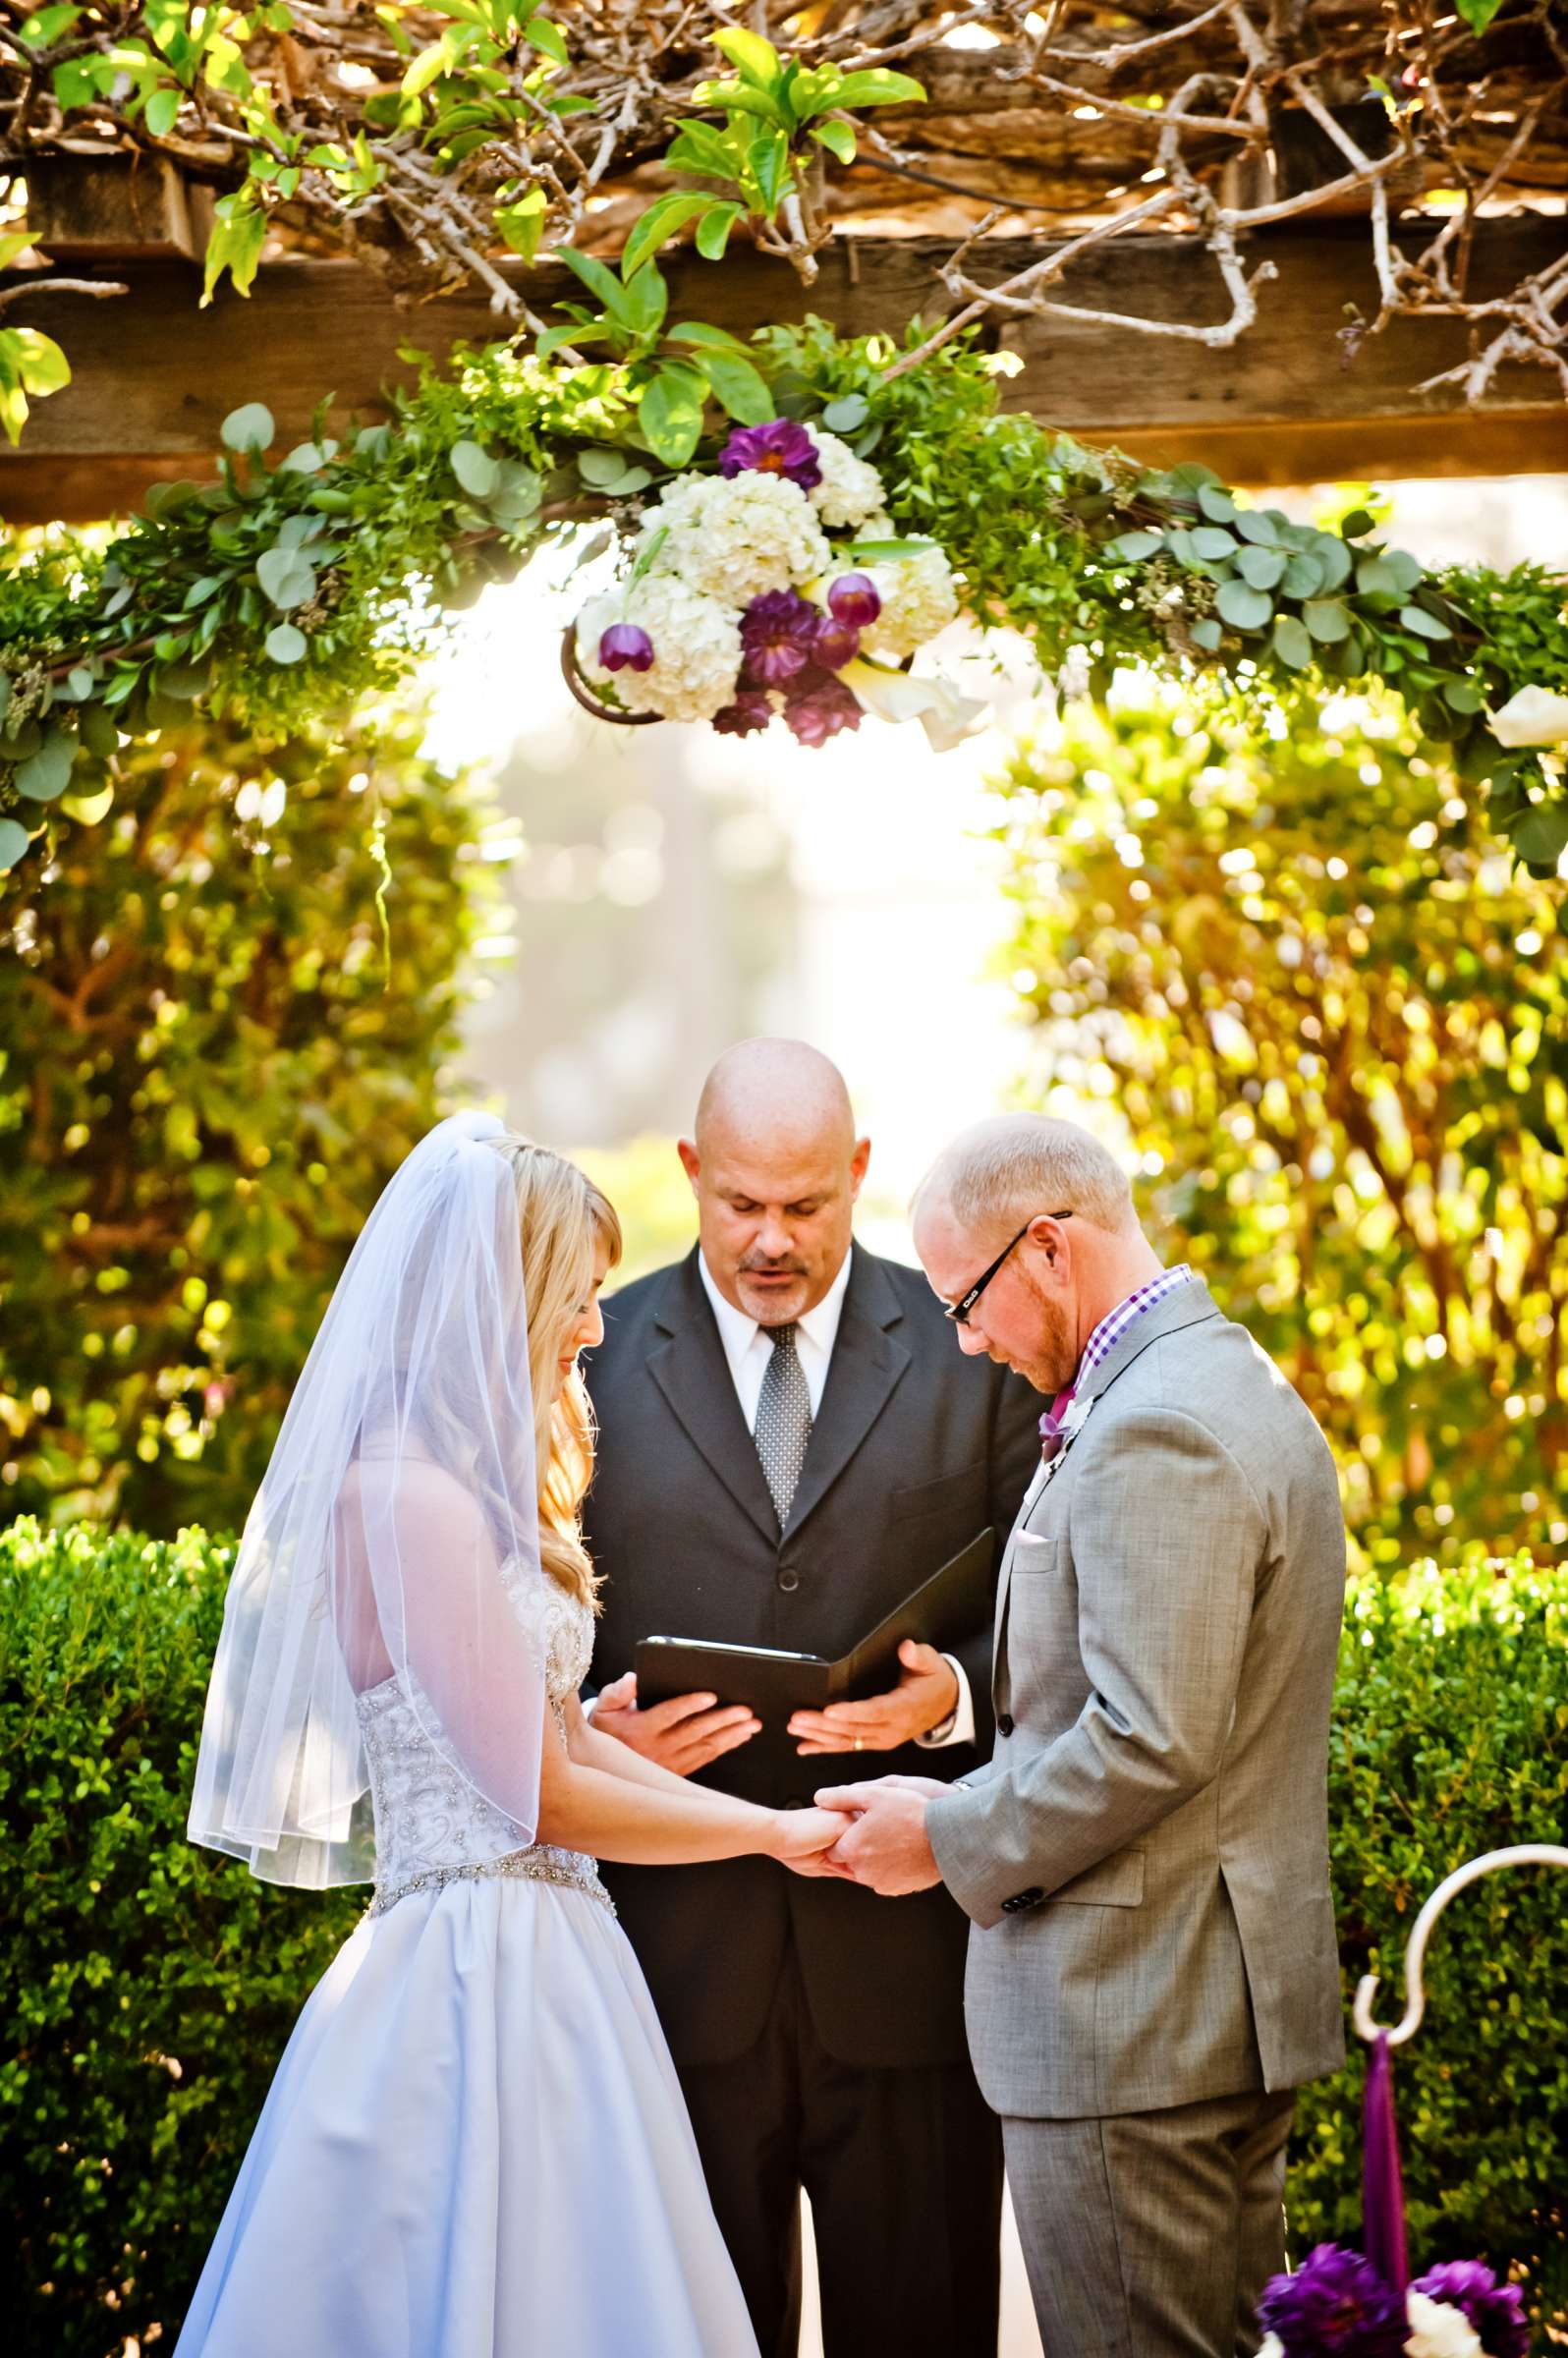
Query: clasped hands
x=883 y=1845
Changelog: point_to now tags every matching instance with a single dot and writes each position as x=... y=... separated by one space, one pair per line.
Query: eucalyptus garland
x=306 y=578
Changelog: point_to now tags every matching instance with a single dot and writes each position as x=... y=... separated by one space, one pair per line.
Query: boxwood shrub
x=148 y=1988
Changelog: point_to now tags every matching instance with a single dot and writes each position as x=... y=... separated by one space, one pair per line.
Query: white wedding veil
x=395 y=1536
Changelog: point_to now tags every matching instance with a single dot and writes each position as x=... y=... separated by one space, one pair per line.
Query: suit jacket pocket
x=949 y=1490
x=1114 y=1882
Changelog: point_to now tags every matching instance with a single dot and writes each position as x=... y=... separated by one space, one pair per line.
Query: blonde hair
x=1005 y=1170
x=564 y=1219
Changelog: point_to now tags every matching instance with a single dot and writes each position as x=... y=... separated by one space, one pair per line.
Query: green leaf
x=237 y=234
x=1334 y=560
x=741 y=391
x=48 y=773
x=713 y=230
x=1292 y=642
x=1374 y=579
x=1242 y=607
x=89 y=808
x=1542 y=835
x=769 y=158
x=428 y=67
x=1462 y=695
x=1215 y=504
x=286 y=575
x=14 y=841
x=598 y=279
x=248 y=428
x=645 y=299
x=1303 y=578
x=847 y=412
x=664 y=217
x=1211 y=542
x=837 y=137
x=755 y=60
x=1478 y=14
x=161 y=111
x=738 y=99
x=98 y=732
x=876 y=87
x=1327 y=619
x=1255 y=525
x=669 y=410
x=1130 y=547
x=547 y=38
x=522 y=223
x=475 y=469
x=1208 y=634
x=285 y=643
x=1425 y=625
x=1358 y=523
x=602 y=469
x=1261 y=568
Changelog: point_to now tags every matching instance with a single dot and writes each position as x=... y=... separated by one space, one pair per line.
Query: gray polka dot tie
x=783 y=1420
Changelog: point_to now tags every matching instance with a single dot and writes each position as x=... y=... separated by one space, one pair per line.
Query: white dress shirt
x=748 y=1347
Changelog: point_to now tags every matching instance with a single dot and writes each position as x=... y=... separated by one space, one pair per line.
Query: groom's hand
x=682 y=1734
x=925 y=1695
x=885 y=1845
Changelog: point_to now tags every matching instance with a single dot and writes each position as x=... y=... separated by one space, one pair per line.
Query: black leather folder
x=944 y=1610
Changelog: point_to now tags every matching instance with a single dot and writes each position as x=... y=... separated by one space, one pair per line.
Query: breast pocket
x=1042 y=1613
x=947 y=1495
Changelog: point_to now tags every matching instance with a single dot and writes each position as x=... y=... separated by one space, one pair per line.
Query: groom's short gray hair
x=1001 y=1172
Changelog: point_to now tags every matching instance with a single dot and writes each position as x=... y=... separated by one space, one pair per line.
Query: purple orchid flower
x=855 y=600
x=1497 y=2312
x=750 y=711
x=626 y=646
x=819 y=706
x=1335 y=2306
x=778 y=634
x=780 y=447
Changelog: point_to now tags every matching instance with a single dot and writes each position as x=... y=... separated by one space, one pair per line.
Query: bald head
x=771 y=1091
x=776 y=1167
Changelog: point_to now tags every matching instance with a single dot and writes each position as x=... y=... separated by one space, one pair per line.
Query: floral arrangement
x=1338 y=2305
x=775 y=587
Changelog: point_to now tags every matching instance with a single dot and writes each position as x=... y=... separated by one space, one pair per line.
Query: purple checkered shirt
x=1106 y=1336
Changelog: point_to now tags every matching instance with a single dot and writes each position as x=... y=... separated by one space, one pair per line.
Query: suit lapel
x=1004 y=1585
x=691 y=1371
x=868 y=1363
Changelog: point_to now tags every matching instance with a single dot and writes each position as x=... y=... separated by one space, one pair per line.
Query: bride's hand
x=802 y=1838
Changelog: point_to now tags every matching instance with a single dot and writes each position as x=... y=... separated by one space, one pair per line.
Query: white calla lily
x=945 y=712
x=1534 y=717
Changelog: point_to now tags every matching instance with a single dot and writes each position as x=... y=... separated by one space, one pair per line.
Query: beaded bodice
x=432 y=1825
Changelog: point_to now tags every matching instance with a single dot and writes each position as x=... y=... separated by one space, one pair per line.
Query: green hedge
x=148 y=1988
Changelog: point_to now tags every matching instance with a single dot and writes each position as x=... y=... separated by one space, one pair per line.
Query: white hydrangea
x=735 y=537
x=850 y=492
x=919 y=599
x=696 y=648
x=1440 y=2331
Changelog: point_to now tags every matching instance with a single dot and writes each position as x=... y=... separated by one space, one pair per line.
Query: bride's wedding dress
x=476 y=2145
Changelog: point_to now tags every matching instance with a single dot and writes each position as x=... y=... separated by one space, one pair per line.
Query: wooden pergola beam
x=154 y=377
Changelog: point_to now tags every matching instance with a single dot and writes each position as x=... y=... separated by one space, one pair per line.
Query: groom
x=1153 y=1967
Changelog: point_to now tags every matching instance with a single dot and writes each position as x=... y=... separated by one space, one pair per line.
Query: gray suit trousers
x=1151 y=2234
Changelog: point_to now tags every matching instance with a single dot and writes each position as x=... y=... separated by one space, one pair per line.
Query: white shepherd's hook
x=1524 y=1854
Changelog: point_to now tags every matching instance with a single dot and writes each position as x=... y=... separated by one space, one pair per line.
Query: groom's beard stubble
x=1051 y=1366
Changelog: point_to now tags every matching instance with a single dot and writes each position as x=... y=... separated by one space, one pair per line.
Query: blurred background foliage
x=1346 y=1078
x=208 y=1069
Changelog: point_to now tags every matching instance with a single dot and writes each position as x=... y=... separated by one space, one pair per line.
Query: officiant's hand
x=682 y=1734
x=925 y=1695
x=884 y=1844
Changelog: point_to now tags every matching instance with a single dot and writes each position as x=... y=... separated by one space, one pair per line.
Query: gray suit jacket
x=1145 y=1859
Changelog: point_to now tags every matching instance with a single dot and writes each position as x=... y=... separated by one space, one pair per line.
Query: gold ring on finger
x=860 y=1743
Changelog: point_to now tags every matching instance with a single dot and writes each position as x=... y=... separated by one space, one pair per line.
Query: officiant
x=789 y=1447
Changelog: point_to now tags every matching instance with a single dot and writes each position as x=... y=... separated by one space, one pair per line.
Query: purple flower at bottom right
x=1336 y=2305
x=1495 y=2311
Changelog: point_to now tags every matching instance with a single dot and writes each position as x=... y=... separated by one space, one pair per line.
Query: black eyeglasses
x=959 y=1311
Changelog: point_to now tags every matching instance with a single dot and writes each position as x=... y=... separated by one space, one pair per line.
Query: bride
x=475 y=2146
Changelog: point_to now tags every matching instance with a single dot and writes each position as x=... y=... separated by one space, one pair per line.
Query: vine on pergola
x=432 y=142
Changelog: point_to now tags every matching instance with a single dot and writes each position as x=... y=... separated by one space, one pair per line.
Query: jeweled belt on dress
x=543 y=1864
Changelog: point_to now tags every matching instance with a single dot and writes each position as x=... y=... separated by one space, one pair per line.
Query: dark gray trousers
x=1151 y=2234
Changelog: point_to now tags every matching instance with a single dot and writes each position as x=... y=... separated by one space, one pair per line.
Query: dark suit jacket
x=914 y=1450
